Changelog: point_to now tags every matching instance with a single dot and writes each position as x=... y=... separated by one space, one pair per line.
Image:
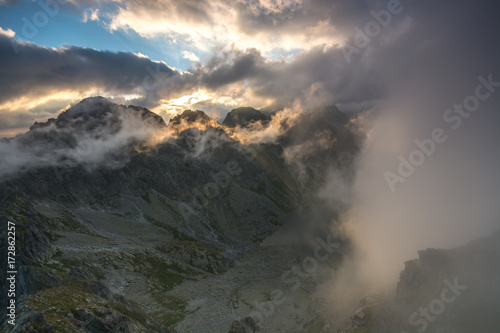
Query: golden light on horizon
x=173 y=107
x=28 y=102
x=12 y=132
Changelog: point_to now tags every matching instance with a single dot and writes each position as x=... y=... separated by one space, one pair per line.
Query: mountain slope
x=112 y=199
x=244 y=117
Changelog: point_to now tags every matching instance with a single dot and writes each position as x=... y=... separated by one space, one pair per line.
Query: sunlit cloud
x=91 y=15
x=7 y=32
x=23 y=111
x=171 y=108
x=272 y=6
x=11 y=132
x=266 y=25
x=190 y=56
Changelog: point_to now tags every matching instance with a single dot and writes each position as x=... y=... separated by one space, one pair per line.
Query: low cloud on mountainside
x=448 y=197
x=95 y=133
x=98 y=133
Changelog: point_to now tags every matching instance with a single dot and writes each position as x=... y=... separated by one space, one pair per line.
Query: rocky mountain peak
x=90 y=105
x=99 y=113
x=244 y=116
x=192 y=117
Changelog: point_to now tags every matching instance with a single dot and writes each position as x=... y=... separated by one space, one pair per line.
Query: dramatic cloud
x=246 y=50
x=267 y=25
x=190 y=56
x=245 y=46
x=39 y=82
x=445 y=194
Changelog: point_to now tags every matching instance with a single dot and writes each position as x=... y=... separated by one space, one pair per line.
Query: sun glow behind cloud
x=50 y=105
x=171 y=108
x=272 y=27
x=229 y=54
x=27 y=102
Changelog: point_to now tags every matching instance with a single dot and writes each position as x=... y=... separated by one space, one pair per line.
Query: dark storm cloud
x=35 y=68
x=287 y=81
x=296 y=19
x=35 y=72
x=231 y=67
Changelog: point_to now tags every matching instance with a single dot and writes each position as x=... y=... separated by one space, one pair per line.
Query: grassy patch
x=175 y=310
x=168 y=274
x=98 y=274
x=59 y=304
x=56 y=303
x=62 y=266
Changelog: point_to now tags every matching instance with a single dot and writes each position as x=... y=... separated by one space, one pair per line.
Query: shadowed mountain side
x=245 y=116
x=139 y=206
x=190 y=117
x=456 y=290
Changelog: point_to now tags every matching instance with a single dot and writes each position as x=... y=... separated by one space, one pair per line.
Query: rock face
x=245 y=325
x=447 y=291
x=190 y=117
x=109 y=224
x=95 y=115
x=244 y=117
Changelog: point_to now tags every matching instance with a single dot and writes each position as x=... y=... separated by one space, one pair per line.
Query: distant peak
x=94 y=112
x=190 y=117
x=93 y=99
x=244 y=116
x=88 y=105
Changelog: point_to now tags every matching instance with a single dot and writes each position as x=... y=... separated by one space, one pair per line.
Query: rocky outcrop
x=32 y=246
x=211 y=259
x=192 y=117
x=245 y=325
x=95 y=115
x=447 y=291
x=82 y=304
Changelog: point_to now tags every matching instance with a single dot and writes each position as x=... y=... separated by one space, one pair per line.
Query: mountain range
x=126 y=223
x=115 y=209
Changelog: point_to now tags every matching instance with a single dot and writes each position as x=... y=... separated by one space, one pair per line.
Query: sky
x=166 y=55
x=216 y=55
